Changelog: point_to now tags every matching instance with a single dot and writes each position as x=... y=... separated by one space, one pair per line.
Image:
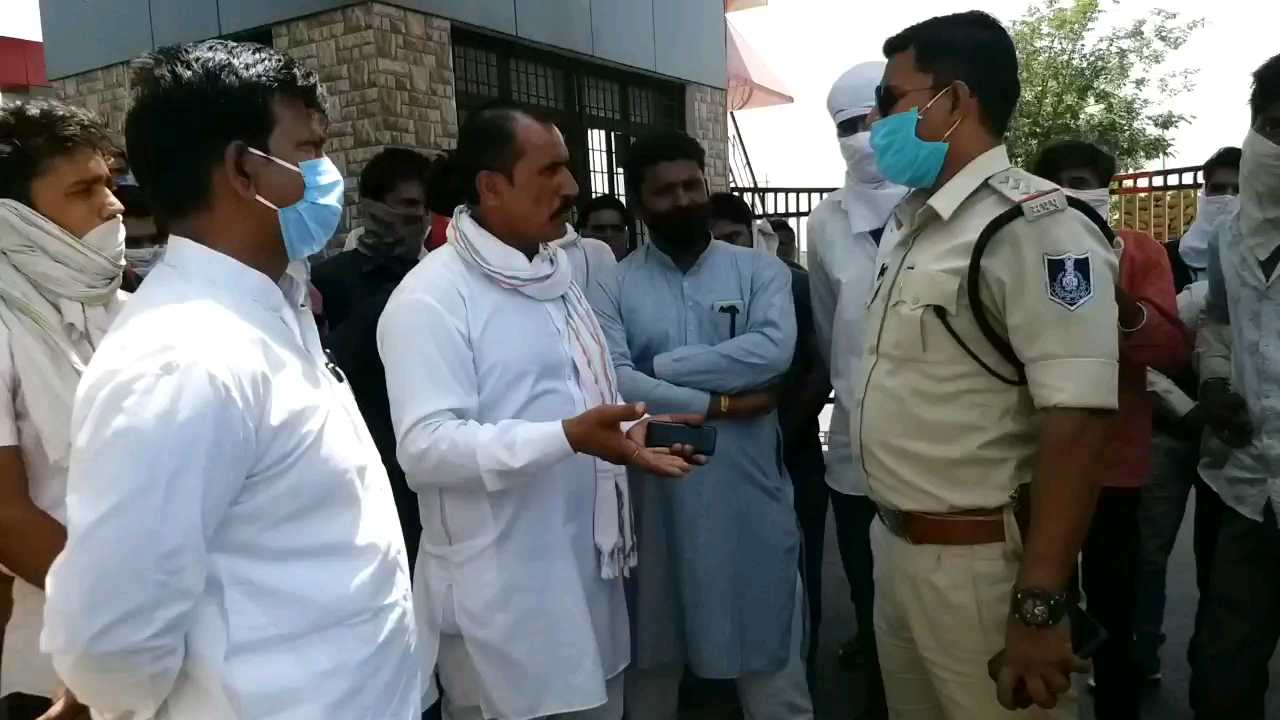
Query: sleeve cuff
x=1084 y=383
x=541 y=445
x=1214 y=367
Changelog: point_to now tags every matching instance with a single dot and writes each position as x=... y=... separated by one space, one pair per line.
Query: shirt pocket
x=912 y=328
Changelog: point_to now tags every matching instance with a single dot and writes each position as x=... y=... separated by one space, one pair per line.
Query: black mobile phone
x=664 y=434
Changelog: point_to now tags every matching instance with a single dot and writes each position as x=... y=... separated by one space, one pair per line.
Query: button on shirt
x=842 y=269
x=1240 y=342
x=719 y=549
x=24 y=668
x=508 y=560
x=936 y=432
x=233 y=549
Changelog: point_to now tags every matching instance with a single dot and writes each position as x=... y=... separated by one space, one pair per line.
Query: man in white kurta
x=233 y=548
x=493 y=359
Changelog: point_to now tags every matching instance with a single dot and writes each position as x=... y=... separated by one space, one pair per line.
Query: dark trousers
x=1110 y=565
x=811 y=499
x=853 y=514
x=1238 y=621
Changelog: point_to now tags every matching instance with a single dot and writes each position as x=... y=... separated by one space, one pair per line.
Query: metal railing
x=740 y=171
x=1159 y=202
x=792 y=204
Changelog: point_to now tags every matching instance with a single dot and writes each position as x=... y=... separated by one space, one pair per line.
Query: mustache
x=563 y=208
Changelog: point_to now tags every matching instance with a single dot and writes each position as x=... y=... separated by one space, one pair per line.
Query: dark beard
x=685 y=227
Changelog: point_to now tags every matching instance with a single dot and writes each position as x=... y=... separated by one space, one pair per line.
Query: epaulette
x=1036 y=196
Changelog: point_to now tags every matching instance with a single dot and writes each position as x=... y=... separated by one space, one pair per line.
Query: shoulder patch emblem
x=1069 y=279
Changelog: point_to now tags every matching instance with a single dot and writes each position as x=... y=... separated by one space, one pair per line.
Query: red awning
x=21 y=64
x=752 y=83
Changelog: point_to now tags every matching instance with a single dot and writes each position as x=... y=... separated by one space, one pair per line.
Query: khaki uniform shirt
x=936 y=432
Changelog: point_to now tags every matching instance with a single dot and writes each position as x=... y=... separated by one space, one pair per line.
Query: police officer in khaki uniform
x=950 y=428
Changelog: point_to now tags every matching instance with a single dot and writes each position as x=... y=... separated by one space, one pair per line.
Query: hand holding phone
x=702 y=438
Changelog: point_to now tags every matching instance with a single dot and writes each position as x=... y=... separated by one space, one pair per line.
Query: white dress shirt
x=842 y=270
x=1238 y=342
x=24 y=668
x=233 y=550
x=480 y=378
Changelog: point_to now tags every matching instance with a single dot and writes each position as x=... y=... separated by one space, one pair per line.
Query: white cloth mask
x=1099 y=199
x=1194 y=246
x=141 y=260
x=1260 y=193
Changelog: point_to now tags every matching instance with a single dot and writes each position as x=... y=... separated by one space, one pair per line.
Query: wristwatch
x=1038 y=608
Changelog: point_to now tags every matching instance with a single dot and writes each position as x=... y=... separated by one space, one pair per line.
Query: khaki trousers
x=940 y=615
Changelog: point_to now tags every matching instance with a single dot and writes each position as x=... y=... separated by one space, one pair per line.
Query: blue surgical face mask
x=308 y=224
x=901 y=155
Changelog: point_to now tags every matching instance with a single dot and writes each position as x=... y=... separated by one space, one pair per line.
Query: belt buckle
x=892 y=520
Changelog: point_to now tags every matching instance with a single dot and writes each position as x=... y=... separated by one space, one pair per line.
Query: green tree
x=1105 y=85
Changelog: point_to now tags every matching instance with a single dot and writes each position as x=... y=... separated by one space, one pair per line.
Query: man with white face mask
x=844 y=238
x=1218 y=200
x=1240 y=374
x=61 y=259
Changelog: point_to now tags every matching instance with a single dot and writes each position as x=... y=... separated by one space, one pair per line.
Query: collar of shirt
x=232 y=280
x=969 y=179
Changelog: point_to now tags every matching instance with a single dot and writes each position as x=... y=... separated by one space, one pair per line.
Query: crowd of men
x=425 y=474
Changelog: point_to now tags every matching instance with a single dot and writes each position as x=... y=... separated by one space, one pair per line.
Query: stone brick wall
x=104 y=92
x=389 y=75
x=707 y=120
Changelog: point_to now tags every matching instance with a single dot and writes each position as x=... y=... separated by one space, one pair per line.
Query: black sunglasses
x=887 y=97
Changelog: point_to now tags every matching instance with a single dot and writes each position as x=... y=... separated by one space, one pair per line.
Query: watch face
x=1033 y=610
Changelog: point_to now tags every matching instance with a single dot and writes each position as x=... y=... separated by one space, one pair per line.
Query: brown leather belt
x=971 y=527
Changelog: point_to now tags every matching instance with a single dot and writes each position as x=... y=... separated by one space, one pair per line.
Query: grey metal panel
x=622 y=31
x=560 y=23
x=690 y=40
x=238 y=15
x=497 y=15
x=181 y=21
x=81 y=35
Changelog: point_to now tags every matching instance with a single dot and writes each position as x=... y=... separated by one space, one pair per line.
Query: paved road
x=1169 y=702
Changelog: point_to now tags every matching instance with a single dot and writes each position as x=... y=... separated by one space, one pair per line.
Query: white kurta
x=480 y=378
x=24 y=669
x=234 y=550
x=843 y=265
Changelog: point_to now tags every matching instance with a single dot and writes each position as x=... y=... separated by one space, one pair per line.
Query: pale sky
x=20 y=19
x=809 y=43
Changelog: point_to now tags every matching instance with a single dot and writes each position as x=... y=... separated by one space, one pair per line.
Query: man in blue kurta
x=696 y=325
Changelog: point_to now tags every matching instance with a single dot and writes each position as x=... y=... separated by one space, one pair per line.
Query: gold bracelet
x=724 y=404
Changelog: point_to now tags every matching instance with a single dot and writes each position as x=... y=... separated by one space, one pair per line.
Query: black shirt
x=347 y=280
x=354 y=345
x=801 y=446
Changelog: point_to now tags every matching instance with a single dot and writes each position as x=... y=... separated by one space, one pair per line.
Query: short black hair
x=192 y=101
x=780 y=225
x=487 y=143
x=604 y=202
x=444 y=187
x=655 y=148
x=1227 y=158
x=134 y=201
x=1056 y=157
x=391 y=167
x=1266 y=86
x=34 y=132
x=727 y=206
x=970 y=47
